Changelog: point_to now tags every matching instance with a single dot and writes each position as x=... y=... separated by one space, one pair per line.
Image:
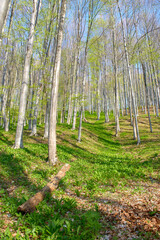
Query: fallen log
x=30 y=205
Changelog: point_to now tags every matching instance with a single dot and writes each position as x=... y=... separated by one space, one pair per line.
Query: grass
x=100 y=164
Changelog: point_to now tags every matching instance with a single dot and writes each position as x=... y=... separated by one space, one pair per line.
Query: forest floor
x=112 y=190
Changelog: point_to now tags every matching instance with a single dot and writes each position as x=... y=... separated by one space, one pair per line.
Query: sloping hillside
x=111 y=191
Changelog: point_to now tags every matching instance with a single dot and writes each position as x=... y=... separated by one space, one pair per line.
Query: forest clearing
x=79 y=119
x=112 y=188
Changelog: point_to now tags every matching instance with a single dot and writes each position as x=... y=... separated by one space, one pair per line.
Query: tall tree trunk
x=147 y=96
x=54 y=91
x=35 y=115
x=105 y=92
x=25 y=81
x=76 y=93
x=98 y=96
x=64 y=99
x=46 y=121
x=89 y=93
x=76 y=72
x=130 y=107
x=80 y=125
x=105 y=105
x=155 y=96
x=85 y=66
x=4 y=97
x=31 y=94
x=3 y=13
x=116 y=80
x=152 y=89
x=72 y=86
x=129 y=75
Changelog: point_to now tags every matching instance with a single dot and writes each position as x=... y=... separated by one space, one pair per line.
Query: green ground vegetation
x=100 y=164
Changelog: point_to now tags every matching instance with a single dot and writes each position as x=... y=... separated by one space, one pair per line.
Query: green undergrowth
x=100 y=163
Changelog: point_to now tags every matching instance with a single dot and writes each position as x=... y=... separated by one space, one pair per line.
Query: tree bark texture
x=147 y=95
x=54 y=90
x=25 y=81
x=116 y=80
x=129 y=75
x=3 y=13
x=30 y=205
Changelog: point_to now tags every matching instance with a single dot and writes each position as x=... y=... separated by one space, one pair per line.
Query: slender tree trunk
x=157 y=86
x=76 y=72
x=46 y=121
x=35 y=116
x=89 y=93
x=71 y=88
x=152 y=89
x=116 y=81
x=70 y=95
x=129 y=76
x=84 y=71
x=155 y=96
x=130 y=107
x=80 y=125
x=54 y=91
x=98 y=97
x=64 y=100
x=147 y=97
x=105 y=105
x=76 y=93
x=31 y=94
x=105 y=93
x=25 y=81
x=4 y=97
x=3 y=13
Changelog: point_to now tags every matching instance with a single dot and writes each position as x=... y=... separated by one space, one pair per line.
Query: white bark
x=80 y=125
x=46 y=121
x=125 y=95
x=98 y=97
x=54 y=90
x=4 y=97
x=3 y=12
x=76 y=72
x=147 y=95
x=116 y=80
x=34 y=122
x=25 y=81
x=129 y=76
x=105 y=92
x=76 y=93
x=84 y=77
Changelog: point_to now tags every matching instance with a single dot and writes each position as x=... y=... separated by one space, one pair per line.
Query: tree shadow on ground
x=5 y=139
x=13 y=170
x=109 y=163
x=59 y=218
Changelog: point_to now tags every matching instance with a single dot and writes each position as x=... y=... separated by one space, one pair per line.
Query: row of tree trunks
x=135 y=125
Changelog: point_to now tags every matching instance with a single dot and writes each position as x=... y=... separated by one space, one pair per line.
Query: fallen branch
x=30 y=205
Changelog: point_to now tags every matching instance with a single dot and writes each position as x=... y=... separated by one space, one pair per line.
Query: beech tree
x=54 y=89
x=25 y=81
x=115 y=77
x=109 y=64
x=3 y=14
x=129 y=76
